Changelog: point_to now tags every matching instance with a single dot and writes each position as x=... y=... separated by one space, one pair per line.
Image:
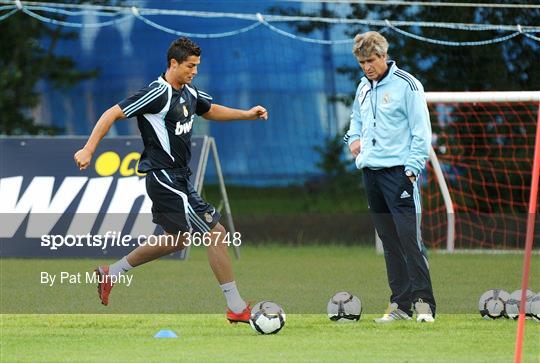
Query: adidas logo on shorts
x=405 y=195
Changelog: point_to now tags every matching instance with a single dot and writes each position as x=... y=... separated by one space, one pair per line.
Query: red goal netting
x=485 y=150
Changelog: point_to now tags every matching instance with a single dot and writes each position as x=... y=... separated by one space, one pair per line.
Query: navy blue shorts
x=177 y=207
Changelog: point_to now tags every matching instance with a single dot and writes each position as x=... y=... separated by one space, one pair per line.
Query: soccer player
x=390 y=136
x=165 y=111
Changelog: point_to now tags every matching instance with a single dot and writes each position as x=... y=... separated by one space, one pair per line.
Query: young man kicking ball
x=165 y=110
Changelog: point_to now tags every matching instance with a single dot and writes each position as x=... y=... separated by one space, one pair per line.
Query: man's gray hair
x=369 y=43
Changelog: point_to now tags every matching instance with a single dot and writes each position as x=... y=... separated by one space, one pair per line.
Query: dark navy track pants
x=394 y=202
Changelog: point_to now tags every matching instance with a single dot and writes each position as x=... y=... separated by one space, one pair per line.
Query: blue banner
x=48 y=207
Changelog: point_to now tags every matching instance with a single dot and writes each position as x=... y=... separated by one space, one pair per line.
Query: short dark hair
x=181 y=49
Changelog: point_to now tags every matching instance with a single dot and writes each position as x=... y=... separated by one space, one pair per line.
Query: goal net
x=483 y=143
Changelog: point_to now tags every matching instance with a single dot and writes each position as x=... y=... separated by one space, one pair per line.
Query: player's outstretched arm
x=84 y=155
x=223 y=113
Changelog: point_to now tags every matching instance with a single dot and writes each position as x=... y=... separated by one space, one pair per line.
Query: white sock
x=234 y=301
x=120 y=266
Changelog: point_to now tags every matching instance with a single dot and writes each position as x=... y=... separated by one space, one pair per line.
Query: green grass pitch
x=183 y=296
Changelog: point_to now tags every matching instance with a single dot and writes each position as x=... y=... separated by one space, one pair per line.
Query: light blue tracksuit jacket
x=392 y=122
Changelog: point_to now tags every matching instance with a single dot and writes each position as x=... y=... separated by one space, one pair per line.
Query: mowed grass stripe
x=301 y=279
x=305 y=338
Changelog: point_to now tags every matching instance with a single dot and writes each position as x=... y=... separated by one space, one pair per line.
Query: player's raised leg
x=166 y=244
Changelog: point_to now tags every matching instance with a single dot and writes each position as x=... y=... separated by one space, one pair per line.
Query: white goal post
x=436 y=98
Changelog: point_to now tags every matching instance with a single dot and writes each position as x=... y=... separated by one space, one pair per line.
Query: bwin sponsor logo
x=44 y=208
x=183 y=128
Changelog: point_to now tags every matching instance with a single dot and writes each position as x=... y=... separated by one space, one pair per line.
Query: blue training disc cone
x=165 y=334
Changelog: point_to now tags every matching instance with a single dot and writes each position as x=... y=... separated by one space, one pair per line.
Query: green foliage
x=340 y=175
x=292 y=200
x=306 y=26
x=495 y=154
x=508 y=65
x=333 y=163
x=27 y=56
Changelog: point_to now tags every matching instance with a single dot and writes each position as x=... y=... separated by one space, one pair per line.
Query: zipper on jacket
x=374 y=112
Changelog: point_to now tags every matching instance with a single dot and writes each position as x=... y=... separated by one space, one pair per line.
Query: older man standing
x=390 y=137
